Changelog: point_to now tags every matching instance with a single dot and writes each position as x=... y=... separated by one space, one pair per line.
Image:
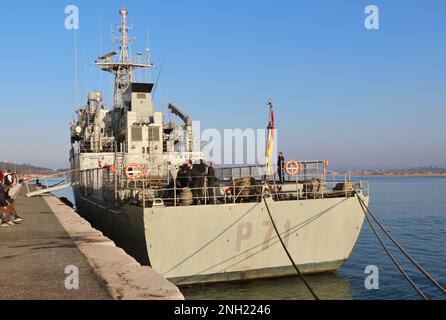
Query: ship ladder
x=369 y=216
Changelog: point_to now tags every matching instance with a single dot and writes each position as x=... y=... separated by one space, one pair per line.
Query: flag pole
x=271 y=137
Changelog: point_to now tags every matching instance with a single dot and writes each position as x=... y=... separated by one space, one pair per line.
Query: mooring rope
x=400 y=247
x=288 y=253
x=403 y=272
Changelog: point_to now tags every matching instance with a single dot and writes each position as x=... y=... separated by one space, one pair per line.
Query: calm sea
x=412 y=208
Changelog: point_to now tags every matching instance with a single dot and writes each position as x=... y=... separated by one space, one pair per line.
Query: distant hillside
x=429 y=169
x=27 y=169
x=420 y=171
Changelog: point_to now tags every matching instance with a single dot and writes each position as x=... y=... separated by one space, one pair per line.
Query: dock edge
x=122 y=275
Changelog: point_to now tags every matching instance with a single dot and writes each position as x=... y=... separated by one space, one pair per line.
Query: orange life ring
x=292 y=168
x=133 y=171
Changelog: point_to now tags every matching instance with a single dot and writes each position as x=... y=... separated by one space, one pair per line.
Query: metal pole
x=144 y=191
x=233 y=190
x=205 y=190
x=175 y=191
x=345 y=185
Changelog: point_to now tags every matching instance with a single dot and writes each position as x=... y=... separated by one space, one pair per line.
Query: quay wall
x=122 y=275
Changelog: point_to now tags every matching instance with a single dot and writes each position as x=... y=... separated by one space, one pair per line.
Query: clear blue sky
x=359 y=98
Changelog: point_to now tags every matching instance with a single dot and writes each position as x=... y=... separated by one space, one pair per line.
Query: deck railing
x=169 y=191
x=308 y=170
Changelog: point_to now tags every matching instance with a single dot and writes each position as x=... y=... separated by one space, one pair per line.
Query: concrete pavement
x=35 y=254
x=34 y=257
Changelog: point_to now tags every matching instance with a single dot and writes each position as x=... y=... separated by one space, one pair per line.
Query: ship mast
x=124 y=39
x=122 y=69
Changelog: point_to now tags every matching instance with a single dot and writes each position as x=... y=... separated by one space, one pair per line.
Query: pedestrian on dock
x=7 y=212
x=9 y=182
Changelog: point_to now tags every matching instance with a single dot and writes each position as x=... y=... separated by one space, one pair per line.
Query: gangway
x=60 y=181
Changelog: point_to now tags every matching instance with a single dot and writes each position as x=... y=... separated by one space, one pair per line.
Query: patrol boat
x=125 y=163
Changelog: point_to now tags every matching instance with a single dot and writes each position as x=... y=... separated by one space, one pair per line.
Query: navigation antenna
x=122 y=69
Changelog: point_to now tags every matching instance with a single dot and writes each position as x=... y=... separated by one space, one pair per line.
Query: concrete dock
x=37 y=257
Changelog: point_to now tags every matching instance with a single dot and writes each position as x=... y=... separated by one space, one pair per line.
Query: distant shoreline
x=403 y=174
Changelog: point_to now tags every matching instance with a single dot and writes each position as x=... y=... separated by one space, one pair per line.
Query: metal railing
x=49 y=183
x=158 y=191
x=308 y=170
x=239 y=193
x=97 y=146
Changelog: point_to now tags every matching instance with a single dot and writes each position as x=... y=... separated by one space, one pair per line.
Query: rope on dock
x=400 y=247
x=288 y=253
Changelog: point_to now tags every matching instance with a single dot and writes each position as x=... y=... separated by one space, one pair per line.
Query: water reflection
x=327 y=286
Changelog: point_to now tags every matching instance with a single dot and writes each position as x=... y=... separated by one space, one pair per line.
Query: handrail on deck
x=156 y=190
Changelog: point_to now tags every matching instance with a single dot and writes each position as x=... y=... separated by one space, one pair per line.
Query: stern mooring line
x=381 y=241
x=408 y=256
x=288 y=253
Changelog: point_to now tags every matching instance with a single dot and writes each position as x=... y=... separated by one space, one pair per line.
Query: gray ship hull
x=233 y=242
x=125 y=228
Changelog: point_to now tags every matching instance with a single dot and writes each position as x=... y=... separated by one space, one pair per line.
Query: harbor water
x=414 y=211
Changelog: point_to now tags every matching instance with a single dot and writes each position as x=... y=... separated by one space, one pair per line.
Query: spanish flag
x=271 y=137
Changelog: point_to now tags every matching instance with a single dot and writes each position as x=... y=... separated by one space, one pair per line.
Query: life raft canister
x=133 y=171
x=292 y=168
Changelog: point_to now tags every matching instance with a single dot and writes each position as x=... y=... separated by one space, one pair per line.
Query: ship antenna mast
x=124 y=36
x=122 y=69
